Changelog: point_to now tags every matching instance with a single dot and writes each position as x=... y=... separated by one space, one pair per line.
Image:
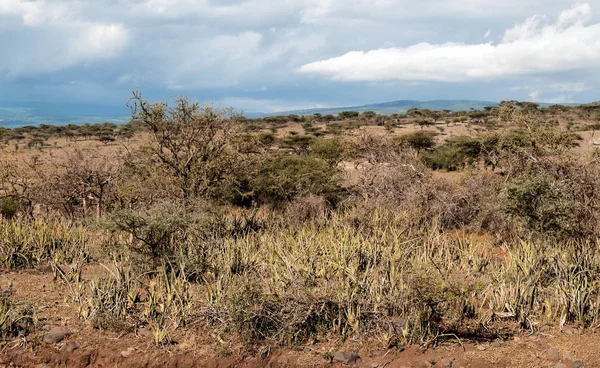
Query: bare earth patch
x=85 y=346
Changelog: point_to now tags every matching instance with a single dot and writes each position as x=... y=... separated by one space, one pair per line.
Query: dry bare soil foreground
x=66 y=341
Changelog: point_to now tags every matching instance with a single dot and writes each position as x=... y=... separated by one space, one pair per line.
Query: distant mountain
x=394 y=107
x=16 y=114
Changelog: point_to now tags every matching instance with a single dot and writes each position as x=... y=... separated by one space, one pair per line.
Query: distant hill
x=393 y=107
x=16 y=114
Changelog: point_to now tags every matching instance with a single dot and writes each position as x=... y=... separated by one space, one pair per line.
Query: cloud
x=268 y=105
x=34 y=13
x=535 y=46
x=53 y=36
x=213 y=49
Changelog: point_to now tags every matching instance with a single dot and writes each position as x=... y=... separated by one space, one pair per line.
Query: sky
x=277 y=55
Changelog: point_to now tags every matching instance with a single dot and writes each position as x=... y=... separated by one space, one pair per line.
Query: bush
x=300 y=144
x=348 y=114
x=418 y=140
x=157 y=231
x=455 y=154
x=267 y=139
x=329 y=150
x=554 y=199
x=193 y=144
x=9 y=207
x=282 y=177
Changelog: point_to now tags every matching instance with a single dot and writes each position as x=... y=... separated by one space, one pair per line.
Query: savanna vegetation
x=287 y=231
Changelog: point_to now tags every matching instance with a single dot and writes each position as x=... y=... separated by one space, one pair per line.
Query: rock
x=56 y=335
x=577 y=364
x=480 y=347
x=445 y=363
x=567 y=355
x=346 y=357
x=596 y=142
x=82 y=360
x=127 y=353
x=144 y=332
x=496 y=344
x=71 y=346
x=569 y=330
x=553 y=354
x=399 y=324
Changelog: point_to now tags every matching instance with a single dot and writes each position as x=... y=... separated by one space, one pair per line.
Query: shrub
x=9 y=207
x=15 y=319
x=267 y=139
x=554 y=199
x=418 y=140
x=300 y=144
x=157 y=230
x=329 y=150
x=282 y=177
x=348 y=114
x=191 y=143
x=454 y=154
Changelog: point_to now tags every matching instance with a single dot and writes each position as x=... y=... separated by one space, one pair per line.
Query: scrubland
x=192 y=223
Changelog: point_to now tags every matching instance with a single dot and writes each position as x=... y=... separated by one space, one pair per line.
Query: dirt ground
x=89 y=347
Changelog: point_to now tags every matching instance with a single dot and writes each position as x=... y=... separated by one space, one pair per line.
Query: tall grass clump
x=30 y=243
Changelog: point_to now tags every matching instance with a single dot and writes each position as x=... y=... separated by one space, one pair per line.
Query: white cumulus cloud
x=48 y=36
x=536 y=46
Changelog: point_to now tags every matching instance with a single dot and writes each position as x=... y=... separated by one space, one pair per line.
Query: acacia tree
x=194 y=143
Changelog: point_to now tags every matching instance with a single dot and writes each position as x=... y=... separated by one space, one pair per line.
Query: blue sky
x=261 y=55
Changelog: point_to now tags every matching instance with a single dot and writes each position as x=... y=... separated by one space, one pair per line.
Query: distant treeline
x=36 y=135
x=109 y=132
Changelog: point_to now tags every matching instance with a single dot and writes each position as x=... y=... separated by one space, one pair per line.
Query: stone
x=346 y=357
x=400 y=324
x=496 y=344
x=127 y=353
x=553 y=354
x=445 y=363
x=144 y=332
x=56 y=335
x=480 y=347
x=567 y=355
x=71 y=346
x=577 y=364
